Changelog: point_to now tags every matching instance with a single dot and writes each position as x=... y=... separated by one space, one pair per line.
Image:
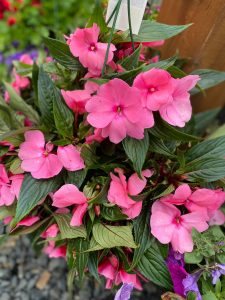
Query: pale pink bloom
x=97 y=136
x=70 y=158
x=20 y=82
x=178 y=110
x=7 y=197
x=156 y=88
x=4 y=179
x=117 y=111
x=216 y=217
x=90 y=86
x=26 y=59
x=51 y=232
x=169 y=226
x=69 y=195
x=48 y=59
x=84 y=44
x=16 y=183
x=110 y=269
x=28 y=221
x=120 y=191
x=76 y=100
x=37 y=157
x=116 y=67
x=55 y=252
x=200 y=200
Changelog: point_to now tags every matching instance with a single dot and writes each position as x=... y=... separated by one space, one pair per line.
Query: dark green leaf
x=35 y=73
x=204 y=119
x=158 y=146
x=76 y=177
x=113 y=236
x=162 y=64
x=98 y=17
x=70 y=254
x=153 y=31
x=32 y=192
x=137 y=150
x=60 y=51
x=131 y=61
x=142 y=235
x=93 y=264
x=101 y=197
x=209 y=78
x=81 y=245
x=208 y=170
x=153 y=267
x=214 y=148
x=112 y=213
x=67 y=231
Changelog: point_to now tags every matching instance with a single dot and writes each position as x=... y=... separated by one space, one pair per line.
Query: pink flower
x=20 y=81
x=169 y=226
x=156 y=88
x=55 y=252
x=69 y=195
x=51 y=232
x=97 y=136
x=26 y=59
x=36 y=156
x=154 y=44
x=178 y=110
x=70 y=158
x=216 y=217
x=28 y=221
x=16 y=183
x=113 y=273
x=200 y=200
x=84 y=44
x=120 y=189
x=76 y=100
x=116 y=110
x=4 y=179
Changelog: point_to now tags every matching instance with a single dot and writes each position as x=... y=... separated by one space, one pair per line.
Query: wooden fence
x=203 y=43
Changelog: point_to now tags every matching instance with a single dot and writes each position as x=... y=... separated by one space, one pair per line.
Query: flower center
x=177 y=220
x=92 y=47
x=152 y=89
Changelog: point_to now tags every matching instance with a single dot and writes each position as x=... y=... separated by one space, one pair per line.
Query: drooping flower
x=96 y=136
x=190 y=284
x=178 y=110
x=175 y=264
x=120 y=191
x=84 y=44
x=169 y=226
x=117 y=111
x=69 y=195
x=217 y=272
x=28 y=221
x=37 y=157
x=76 y=100
x=70 y=158
x=55 y=252
x=26 y=59
x=124 y=292
x=50 y=232
x=113 y=273
x=200 y=200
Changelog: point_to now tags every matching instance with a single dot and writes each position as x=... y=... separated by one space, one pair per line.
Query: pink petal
x=35 y=137
x=68 y=195
x=28 y=221
x=50 y=167
x=197 y=220
x=78 y=214
x=107 y=269
x=6 y=196
x=216 y=218
x=182 y=240
x=70 y=158
x=134 y=210
x=3 y=175
x=51 y=232
x=16 y=184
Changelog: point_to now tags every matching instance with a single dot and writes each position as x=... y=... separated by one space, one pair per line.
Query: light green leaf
x=98 y=17
x=67 y=231
x=113 y=236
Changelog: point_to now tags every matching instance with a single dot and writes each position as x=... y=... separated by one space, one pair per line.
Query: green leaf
x=76 y=177
x=18 y=104
x=23 y=69
x=98 y=17
x=208 y=170
x=191 y=296
x=209 y=78
x=67 y=231
x=6 y=211
x=194 y=257
x=209 y=296
x=93 y=264
x=162 y=64
x=46 y=93
x=112 y=213
x=113 y=236
x=203 y=119
x=32 y=192
x=137 y=150
x=158 y=146
x=35 y=73
x=153 y=267
x=101 y=197
x=60 y=52
x=166 y=192
x=15 y=167
x=70 y=254
x=214 y=148
x=164 y=131
x=131 y=61
x=81 y=245
x=63 y=116
x=153 y=31
x=218 y=132
x=28 y=230
x=142 y=236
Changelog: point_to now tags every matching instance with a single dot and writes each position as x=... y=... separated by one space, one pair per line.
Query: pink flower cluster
x=119 y=110
x=168 y=225
x=39 y=158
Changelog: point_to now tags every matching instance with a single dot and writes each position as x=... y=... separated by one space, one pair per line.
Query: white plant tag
x=137 y=9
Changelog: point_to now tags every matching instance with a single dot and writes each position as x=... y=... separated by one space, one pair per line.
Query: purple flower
x=190 y=284
x=175 y=264
x=219 y=270
x=124 y=292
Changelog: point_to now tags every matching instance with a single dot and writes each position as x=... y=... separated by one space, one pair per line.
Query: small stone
x=5 y=296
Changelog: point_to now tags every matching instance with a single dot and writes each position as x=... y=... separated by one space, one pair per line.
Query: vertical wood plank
x=203 y=44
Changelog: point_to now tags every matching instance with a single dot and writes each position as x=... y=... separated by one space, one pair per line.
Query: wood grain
x=203 y=44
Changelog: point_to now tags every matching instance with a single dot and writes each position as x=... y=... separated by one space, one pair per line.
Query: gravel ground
x=24 y=276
